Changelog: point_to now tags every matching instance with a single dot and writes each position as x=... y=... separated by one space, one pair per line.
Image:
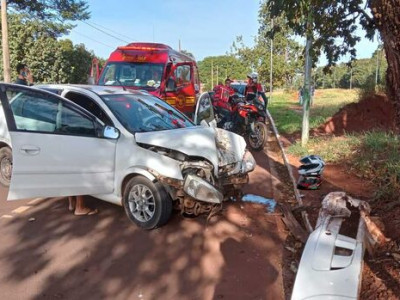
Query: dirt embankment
x=373 y=112
x=381 y=274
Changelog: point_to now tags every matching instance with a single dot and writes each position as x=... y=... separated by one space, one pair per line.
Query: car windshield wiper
x=120 y=83
x=169 y=111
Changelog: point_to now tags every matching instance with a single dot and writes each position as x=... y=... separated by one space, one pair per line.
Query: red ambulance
x=156 y=68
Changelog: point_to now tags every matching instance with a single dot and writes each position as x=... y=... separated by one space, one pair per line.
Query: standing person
x=301 y=94
x=77 y=205
x=253 y=88
x=24 y=75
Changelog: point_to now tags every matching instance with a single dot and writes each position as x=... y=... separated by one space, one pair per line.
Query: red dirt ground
x=381 y=274
x=374 y=112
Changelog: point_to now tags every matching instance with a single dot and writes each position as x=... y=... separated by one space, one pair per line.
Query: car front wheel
x=147 y=204
x=5 y=166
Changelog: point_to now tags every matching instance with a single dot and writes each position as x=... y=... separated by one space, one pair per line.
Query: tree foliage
x=286 y=56
x=214 y=69
x=50 y=60
x=331 y=21
x=367 y=73
x=333 y=27
x=52 y=10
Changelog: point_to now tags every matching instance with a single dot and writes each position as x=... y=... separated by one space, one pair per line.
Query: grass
x=331 y=149
x=373 y=155
x=288 y=114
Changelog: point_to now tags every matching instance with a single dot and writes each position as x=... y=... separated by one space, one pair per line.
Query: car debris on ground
x=331 y=263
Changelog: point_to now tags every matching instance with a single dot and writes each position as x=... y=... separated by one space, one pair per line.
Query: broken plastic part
x=331 y=263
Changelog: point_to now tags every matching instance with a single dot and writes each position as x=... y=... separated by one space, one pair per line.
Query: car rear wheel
x=146 y=204
x=5 y=166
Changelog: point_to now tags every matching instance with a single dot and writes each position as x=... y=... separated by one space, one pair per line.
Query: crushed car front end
x=214 y=165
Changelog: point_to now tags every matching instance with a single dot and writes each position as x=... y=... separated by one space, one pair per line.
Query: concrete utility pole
x=4 y=33
x=270 y=71
x=212 y=74
x=351 y=77
x=307 y=80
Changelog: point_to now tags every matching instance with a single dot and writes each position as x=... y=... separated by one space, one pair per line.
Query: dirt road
x=48 y=253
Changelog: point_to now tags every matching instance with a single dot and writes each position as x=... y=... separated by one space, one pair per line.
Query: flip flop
x=89 y=213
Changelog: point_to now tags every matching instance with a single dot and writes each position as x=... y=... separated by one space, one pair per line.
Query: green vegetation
x=373 y=155
x=35 y=43
x=332 y=149
x=287 y=112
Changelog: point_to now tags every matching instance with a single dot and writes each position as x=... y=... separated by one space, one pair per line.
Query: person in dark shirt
x=254 y=88
x=24 y=75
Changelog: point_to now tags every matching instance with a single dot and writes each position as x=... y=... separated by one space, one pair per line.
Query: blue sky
x=203 y=27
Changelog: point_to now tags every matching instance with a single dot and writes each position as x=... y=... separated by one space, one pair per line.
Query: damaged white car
x=128 y=148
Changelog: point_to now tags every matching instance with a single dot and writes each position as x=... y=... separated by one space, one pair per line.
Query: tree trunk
x=4 y=32
x=386 y=15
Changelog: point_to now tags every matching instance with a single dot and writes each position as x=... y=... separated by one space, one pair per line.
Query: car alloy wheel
x=146 y=203
x=5 y=166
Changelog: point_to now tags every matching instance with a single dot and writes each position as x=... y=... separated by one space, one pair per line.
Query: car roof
x=238 y=83
x=97 y=89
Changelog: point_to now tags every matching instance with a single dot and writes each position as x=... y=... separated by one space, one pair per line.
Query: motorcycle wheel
x=258 y=139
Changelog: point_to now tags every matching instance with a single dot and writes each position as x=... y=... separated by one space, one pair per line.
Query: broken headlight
x=201 y=190
x=248 y=162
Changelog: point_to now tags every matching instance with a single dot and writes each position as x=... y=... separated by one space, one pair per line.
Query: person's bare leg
x=81 y=209
x=71 y=203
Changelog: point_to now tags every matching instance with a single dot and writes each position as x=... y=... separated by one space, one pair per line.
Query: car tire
x=146 y=204
x=5 y=166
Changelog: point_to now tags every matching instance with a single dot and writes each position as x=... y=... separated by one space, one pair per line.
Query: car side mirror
x=110 y=132
x=171 y=85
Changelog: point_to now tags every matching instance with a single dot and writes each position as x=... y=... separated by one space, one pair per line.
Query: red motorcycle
x=247 y=119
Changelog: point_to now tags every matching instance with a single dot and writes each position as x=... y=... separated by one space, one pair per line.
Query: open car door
x=180 y=87
x=204 y=113
x=56 y=146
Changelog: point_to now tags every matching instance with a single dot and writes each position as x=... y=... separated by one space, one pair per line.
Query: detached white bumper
x=331 y=264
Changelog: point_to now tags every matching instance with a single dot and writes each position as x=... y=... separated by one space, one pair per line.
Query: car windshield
x=145 y=113
x=238 y=87
x=131 y=74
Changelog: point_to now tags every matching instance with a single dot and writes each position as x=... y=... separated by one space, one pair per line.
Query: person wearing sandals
x=77 y=205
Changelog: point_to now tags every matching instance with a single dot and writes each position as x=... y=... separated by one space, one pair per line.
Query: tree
x=190 y=54
x=217 y=68
x=52 y=10
x=333 y=21
x=386 y=19
x=51 y=60
x=286 y=57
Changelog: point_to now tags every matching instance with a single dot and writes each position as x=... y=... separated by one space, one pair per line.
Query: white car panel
x=193 y=141
x=60 y=165
x=4 y=135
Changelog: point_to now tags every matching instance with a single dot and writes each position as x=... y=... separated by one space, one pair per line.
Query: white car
x=124 y=147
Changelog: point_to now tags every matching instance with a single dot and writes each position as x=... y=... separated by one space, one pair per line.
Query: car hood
x=218 y=146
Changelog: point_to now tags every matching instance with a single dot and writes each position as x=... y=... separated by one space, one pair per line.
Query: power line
x=81 y=34
x=110 y=30
x=113 y=36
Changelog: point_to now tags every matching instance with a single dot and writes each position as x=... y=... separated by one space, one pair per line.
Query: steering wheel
x=152 y=122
